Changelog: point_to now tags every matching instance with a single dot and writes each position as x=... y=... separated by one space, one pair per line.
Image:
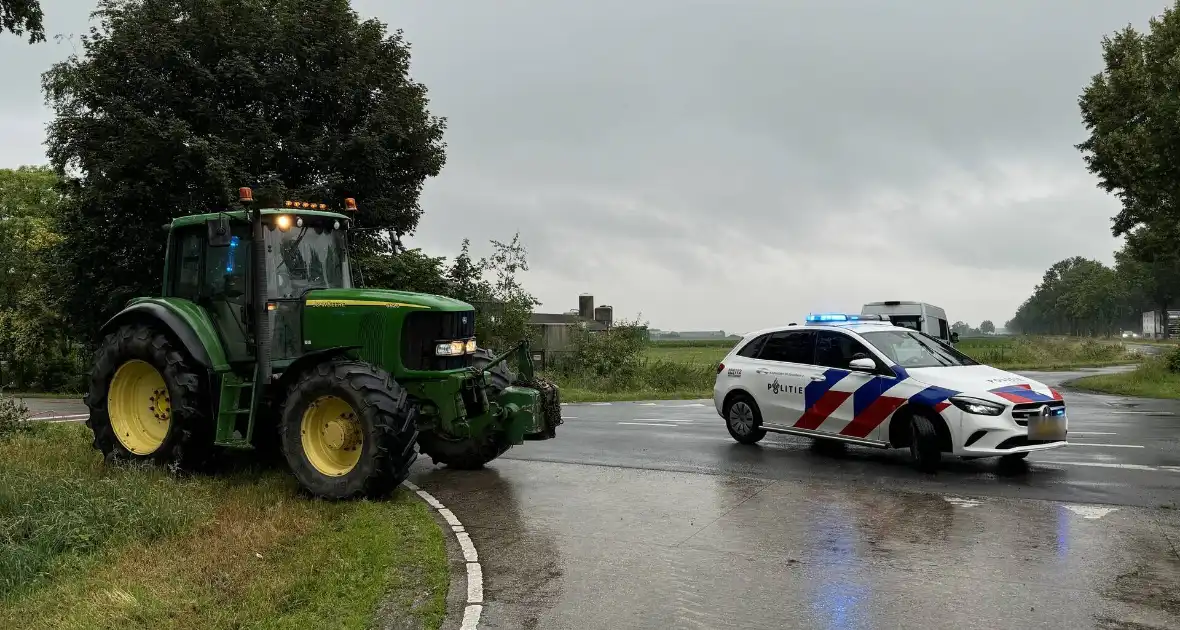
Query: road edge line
x=473 y=608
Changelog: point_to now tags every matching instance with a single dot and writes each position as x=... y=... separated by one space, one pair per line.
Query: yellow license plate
x=1046 y=428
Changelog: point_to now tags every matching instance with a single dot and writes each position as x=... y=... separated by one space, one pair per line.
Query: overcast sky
x=737 y=164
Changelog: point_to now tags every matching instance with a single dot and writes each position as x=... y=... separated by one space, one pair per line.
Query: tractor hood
x=335 y=298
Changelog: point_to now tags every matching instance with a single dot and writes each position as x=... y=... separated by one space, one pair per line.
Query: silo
x=604 y=315
x=586 y=306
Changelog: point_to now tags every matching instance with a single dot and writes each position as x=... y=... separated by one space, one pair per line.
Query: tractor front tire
x=146 y=400
x=472 y=453
x=348 y=430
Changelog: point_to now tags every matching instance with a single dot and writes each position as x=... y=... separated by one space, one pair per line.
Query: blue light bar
x=827 y=317
x=816 y=318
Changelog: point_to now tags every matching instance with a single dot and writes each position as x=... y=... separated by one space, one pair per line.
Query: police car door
x=851 y=403
x=781 y=373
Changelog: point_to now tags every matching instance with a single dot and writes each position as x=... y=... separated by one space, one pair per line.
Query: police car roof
x=854 y=326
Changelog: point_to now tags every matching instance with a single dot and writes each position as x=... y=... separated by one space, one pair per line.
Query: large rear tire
x=348 y=430
x=147 y=400
x=472 y=453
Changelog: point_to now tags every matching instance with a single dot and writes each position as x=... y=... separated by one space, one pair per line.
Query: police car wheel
x=924 y=446
x=744 y=421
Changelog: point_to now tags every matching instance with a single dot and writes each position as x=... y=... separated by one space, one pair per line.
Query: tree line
x=1133 y=147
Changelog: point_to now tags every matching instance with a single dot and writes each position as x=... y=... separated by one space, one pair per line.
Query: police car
x=862 y=380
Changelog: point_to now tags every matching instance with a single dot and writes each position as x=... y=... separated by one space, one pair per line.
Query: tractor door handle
x=818 y=379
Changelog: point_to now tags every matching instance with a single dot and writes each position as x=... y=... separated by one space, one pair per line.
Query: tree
x=503 y=307
x=176 y=103
x=33 y=339
x=20 y=16
x=987 y=327
x=1149 y=264
x=963 y=328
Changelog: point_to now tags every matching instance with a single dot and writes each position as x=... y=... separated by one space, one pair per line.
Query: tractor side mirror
x=219 y=231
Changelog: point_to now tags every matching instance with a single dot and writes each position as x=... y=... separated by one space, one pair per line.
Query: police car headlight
x=977 y=406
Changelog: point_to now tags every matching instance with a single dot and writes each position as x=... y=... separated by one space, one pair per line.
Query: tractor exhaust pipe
x=261 y=316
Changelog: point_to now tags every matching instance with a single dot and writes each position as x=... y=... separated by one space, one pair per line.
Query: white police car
x=862 y=380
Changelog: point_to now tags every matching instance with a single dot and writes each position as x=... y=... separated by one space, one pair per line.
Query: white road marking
x=1175 y=469
x=603 y=404
x=1143 y=413
x=650 y=424
x=1100 y=465
x=569 y=417
x=469 y=553
x=51 y=416
x=1077 y=433
x=471 y=617
x=474 y=607
x=961 y=502
x=1106 y=445
x=1090 y=511
x=682 y=420
x=450 y=518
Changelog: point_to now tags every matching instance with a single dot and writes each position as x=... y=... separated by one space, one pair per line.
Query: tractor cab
x=208 y=262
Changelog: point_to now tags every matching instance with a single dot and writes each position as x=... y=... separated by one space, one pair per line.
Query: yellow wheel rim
x=139 y=407
x=332 y=436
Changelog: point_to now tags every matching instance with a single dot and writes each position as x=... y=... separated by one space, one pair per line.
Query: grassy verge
x=85 y=545
x=1152 y=379
x=677 y=370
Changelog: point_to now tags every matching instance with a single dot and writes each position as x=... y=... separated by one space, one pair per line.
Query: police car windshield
x=915 y=349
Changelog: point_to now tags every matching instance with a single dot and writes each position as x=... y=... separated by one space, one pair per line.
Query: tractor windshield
x=299 y=259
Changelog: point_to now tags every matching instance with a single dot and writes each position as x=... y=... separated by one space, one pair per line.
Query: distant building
x=556 y=327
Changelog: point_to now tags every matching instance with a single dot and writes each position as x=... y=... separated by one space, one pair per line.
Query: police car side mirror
x=863 y=365
x=954 y=337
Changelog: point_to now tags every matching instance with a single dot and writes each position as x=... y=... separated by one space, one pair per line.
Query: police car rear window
x=797 y=346
x=750 y=350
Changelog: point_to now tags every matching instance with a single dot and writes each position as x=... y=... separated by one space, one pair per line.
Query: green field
x=90 y=546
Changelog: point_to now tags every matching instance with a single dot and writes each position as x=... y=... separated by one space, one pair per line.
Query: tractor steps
x=231 y=407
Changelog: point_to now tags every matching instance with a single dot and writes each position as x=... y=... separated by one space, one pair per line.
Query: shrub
x=14 y=416
x=1172 y=360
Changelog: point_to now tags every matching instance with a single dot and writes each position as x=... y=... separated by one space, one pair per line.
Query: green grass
x=1151 y=379
x=89 y=545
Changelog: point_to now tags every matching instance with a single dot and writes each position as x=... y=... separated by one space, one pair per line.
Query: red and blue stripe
x=1024 y=394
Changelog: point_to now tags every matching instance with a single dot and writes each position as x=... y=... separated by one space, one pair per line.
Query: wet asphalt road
x=648 y=515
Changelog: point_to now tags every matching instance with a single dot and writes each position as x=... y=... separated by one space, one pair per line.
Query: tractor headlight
x=977 y=406
x=455 y=348
x=450 y=349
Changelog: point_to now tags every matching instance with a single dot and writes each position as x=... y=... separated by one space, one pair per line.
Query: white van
x=918 y=316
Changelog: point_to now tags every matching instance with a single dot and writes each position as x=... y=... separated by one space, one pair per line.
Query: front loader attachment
x=531 y=402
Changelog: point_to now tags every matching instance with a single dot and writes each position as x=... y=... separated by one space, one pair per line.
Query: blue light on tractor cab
x=229 y=265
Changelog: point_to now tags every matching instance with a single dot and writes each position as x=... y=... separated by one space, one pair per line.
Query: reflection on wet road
x=650 y=516
x=573 y=546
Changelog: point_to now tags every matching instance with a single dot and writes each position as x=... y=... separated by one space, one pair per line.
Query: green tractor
x=259 y=341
